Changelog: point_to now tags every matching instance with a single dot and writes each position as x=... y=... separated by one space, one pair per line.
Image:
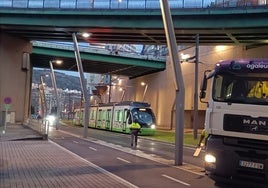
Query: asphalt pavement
x=28 y=161
x=67 y=159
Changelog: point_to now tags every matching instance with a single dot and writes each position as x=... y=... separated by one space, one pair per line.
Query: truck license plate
x=250 y=164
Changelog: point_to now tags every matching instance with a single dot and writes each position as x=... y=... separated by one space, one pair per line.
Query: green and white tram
x=118 y=117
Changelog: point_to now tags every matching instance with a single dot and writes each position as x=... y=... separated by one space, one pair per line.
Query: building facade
x=161 y=88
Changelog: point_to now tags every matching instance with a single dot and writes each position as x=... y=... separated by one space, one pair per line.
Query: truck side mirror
x=202 y=94
x=203 y=88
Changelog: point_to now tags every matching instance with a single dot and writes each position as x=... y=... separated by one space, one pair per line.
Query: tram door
x=99 y=118
x=108 y=119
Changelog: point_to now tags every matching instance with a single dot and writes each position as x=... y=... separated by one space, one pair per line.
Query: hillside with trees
x=64 y=81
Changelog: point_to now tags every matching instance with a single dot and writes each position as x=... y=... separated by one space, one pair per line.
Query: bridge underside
x=229 y=26
x=234 y=26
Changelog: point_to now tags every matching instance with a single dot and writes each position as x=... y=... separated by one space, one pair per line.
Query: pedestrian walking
x=203 y=138
x=135 y=128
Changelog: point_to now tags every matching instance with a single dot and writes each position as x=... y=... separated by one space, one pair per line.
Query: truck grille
x=246 y=143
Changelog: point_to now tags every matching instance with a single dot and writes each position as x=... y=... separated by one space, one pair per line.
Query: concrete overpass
x=230 y=25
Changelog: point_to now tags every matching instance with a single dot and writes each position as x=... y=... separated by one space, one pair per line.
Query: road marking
x=92 y=148
x=126 y=161
x=176 y=180
x=75 y=142
x=185 y=167
x=102 y=170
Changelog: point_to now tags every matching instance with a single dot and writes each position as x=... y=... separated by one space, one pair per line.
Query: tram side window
x=99 y=115
x=108 y=115
x=116 y=115
x=103 y=115
x=92 y=114
x=119 y=116
x=125 y=115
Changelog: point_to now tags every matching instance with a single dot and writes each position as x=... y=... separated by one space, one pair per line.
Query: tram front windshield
x=144 y=116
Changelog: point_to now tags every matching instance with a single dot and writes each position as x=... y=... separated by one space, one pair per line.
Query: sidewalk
x=28 y=161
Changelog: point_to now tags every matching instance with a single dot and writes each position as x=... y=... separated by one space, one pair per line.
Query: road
x=148 y=146
x=151 y=164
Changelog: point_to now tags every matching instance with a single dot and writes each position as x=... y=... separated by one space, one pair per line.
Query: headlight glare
x=51 y=119
x=209 y=158
x=153 y=126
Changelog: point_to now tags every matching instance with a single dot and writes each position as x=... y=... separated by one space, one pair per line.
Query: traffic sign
x=7 y=100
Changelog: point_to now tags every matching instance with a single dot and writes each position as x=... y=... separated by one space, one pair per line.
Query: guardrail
x=41 y=127
x=127 y=4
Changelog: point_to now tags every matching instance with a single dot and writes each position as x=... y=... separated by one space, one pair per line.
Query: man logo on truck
x=254 y=122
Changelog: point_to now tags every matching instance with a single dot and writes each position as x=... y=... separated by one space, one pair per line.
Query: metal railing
x=40 y=126
x=127 y=4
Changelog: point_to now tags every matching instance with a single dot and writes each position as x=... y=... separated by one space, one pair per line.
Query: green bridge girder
x=96 y=62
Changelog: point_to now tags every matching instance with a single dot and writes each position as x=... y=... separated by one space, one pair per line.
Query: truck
x=236 y=120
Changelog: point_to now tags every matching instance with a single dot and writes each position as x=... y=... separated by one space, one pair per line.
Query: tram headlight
x=153 y=126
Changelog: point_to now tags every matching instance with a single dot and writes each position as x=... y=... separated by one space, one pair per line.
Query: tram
x=118 y=117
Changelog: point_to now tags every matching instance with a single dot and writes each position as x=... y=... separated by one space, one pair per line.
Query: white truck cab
x=237 y=120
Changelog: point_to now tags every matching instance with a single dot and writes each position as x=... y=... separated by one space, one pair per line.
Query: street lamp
x=145 y=90
x=53 y=78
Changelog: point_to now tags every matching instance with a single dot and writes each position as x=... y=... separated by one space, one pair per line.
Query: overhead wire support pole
x=196 y=86
x=43 y=98
x=180 y=91
x=53 y=78
x=83 y=85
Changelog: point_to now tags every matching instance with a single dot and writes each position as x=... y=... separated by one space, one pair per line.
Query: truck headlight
x=209 y=158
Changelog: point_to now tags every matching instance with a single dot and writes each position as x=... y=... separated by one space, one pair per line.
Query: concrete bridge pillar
x=15 y=76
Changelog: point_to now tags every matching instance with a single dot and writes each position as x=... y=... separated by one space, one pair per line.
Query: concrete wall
x=161 y=90
x=14 y=81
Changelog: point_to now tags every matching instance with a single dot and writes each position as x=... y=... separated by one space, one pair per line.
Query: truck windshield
x=250 y=88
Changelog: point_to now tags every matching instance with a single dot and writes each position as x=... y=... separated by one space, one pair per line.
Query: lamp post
x=83 y=84
x=196 y=86
x=145 y=90
x=187 y=58
x=180 y=91
x=53 y=79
